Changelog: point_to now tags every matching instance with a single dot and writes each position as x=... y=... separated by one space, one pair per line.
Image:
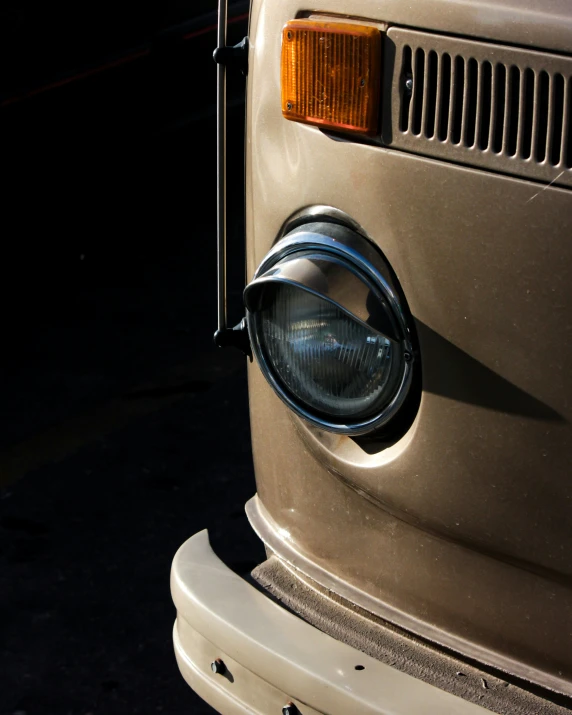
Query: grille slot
x=485 y=105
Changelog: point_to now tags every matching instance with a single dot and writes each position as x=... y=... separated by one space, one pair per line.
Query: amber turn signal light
x=331 y=74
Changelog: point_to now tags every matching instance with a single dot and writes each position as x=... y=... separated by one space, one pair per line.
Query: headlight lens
x=328 y=360
x=328 y=330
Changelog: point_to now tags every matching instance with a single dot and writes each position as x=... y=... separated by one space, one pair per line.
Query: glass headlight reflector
x=328 y=360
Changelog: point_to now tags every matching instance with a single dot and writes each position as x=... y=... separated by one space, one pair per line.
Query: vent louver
x=480 y=104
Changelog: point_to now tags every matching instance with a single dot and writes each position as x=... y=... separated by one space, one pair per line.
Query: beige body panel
x=461 y=531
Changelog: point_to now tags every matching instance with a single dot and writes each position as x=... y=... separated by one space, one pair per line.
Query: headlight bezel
x=362 y=259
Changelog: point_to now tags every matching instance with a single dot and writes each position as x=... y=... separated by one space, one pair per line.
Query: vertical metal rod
x=221 y=170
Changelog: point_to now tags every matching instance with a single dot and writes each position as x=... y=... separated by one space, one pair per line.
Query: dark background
x=124 y=431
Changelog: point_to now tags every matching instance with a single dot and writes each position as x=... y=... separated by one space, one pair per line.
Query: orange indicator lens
x=331 y=74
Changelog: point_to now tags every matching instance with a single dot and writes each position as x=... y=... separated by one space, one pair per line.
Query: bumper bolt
x=290 y=709
x=217 y=666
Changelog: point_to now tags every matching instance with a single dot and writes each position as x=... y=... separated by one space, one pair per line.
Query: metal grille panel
x=475 y=103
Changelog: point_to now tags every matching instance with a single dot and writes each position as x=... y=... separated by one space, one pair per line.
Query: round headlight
x=328 y=331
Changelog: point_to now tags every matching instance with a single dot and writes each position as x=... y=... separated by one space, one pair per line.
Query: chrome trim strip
x=221 y=170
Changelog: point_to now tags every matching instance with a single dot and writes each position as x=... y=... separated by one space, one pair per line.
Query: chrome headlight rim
x=363 y=259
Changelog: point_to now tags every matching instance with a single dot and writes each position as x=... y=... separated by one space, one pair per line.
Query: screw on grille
x=290 y=709
x=288 y=106
x=218 y=666
x=409 y=84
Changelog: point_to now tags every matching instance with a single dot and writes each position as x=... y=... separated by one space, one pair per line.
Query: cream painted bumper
x=272 y=657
